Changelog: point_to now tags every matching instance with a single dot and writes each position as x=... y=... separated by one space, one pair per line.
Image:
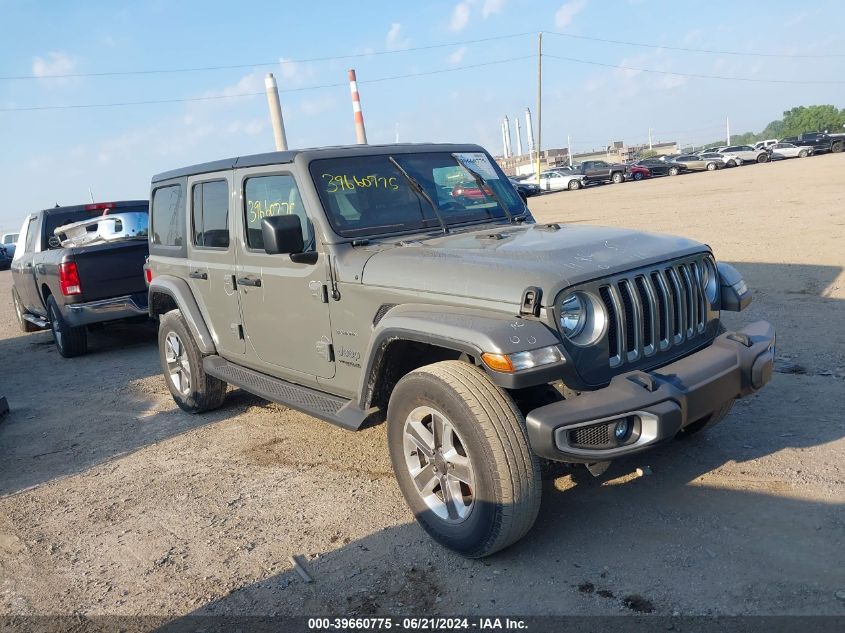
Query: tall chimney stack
x=360 y=132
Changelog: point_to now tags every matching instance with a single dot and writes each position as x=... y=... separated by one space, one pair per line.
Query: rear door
x=23 y=270
x=212 y=256
x=284 y=303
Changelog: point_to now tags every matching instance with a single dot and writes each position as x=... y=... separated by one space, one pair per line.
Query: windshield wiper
x=482 y=184
x=417 y=187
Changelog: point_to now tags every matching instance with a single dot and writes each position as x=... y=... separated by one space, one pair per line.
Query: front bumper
x=113 y=309
x=656 y=404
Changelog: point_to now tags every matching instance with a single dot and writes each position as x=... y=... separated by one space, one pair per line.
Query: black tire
x=763 y=158
x=803 y=153
x=506 y=490
x=200 y=392
x=23 y=324
x=637 y=176
x=70 y=341
x=574 y=185
x=836 y=148
x=730 y=163
x=617 y=177
x=712 y=167
x=674 y=171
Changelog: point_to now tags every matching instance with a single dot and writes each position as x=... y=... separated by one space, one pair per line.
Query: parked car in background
x=697 y=163
x=767 y=144
x=790 y=150
x=728 y=162
x=601 y=171
x=637 y=172
x=740 y=154
x=8 y=241
x=658 y=167
x=525 y=189
x=79 y=266
x=562 y=178
x=819 y=141
x=5 y=258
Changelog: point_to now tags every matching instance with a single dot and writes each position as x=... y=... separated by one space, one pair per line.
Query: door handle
x=249 y=281
x=198 y=274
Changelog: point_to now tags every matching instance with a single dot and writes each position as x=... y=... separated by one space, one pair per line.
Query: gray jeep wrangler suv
x=410 y=283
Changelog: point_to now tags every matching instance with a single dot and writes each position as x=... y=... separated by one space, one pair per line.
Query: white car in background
x=560 y=179
x=8 y=241
x=790 y=150
x=767 y=144
x=742 y=154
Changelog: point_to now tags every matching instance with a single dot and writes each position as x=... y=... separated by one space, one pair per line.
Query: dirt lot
x=112 y=500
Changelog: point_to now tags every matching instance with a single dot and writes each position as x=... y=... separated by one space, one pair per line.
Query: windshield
x=367 y=195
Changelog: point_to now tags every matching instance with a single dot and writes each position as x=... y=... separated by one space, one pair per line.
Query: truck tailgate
x=112 y=269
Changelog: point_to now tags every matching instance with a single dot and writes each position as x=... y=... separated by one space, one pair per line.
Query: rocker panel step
x=330 y=408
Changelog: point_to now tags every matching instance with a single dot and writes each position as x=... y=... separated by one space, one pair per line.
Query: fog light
x=622 y=430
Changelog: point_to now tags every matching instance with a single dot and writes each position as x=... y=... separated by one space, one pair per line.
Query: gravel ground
x=113 y=501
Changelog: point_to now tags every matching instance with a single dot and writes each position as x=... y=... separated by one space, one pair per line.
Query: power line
x=253 y=94
x=697 y=75
x=694 y=50
x=161 y=71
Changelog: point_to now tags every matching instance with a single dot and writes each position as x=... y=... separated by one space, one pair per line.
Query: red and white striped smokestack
x=360 y=132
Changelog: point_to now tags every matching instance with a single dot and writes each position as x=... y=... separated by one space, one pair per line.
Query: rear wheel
x=763 y=158
x=712 y=166
x=70 y=341
x=674 y=171
x=181 y=361
x=638 y=176
x=617 y=177
x=803 y=153
x=460 y=452
x=23 y=324
x=730 y=163
x=574 y=185
x=837 y=147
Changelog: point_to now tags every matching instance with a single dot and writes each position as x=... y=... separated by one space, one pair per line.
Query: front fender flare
x=178 y=290
x=468 y=331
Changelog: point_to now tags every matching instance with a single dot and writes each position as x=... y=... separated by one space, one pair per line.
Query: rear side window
x=168 y=226
x=31 y=234
x=267 y=196
x=210 y=214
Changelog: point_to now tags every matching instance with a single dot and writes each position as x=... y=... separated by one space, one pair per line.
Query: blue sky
x=54 y=156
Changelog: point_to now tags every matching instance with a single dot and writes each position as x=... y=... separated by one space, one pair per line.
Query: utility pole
x=539 y=100
x=569 y=149
x=728 y=130
x=518 y=138
x=360 y=132
x=275 y=112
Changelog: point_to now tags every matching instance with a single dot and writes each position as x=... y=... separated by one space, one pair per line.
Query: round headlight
x=582 y=318
x=573 y=316
x=710 y=280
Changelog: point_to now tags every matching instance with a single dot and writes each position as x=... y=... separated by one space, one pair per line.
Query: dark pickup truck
x=601 y=171
x=69 y=288
x=819 y=141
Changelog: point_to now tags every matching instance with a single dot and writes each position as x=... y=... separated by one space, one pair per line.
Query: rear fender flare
x=178 y=290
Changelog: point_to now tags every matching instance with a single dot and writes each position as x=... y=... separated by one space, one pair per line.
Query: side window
x=29 y=236
x=210 y=214
x=267 y=196
x=168 y=225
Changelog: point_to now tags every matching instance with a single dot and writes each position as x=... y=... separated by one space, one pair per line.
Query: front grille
x=653 y=311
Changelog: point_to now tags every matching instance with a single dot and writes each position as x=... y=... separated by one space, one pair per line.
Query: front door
x=23 y=273
x=284 y=303
x=212 y=255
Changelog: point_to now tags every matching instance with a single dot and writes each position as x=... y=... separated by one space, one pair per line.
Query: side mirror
x=282 y=234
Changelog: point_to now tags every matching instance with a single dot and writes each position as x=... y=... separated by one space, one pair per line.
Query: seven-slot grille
x=652 y=311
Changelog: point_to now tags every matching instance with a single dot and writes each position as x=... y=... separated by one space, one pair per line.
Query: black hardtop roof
x=340 y=151
x=117 y=204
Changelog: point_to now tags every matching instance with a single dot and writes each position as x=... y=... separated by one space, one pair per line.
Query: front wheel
x=674 y=171
x=638 y=176
x=181 y=361
x=460 y=452
x=70 y=341
x=617 y=178
x=712 y=167
x=23 y=324
x=763 y=158
x=574 y=185
x=803 y=153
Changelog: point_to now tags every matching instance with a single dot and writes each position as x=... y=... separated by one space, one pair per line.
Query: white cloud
x=54 y=64
x=313 y=107
x=491 y=6
x=458 y=56
x=394 y=39
x=568 y=11
x=460 y=16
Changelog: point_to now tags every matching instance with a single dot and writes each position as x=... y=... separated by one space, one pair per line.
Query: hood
x=500 y=262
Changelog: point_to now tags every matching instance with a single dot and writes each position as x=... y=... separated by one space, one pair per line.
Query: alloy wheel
x=178 y=364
